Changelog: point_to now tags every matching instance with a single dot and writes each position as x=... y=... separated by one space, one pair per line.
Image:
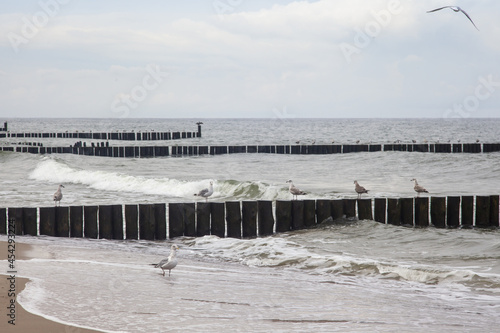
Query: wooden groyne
x=104 y=149
x=245 y=219
x=120 y=136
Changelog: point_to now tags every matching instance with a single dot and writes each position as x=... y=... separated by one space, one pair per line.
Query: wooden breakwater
x=103 y=149
x=123 y=136
x=245 y=219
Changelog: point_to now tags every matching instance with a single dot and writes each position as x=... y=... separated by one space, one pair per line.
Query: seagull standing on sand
x=418 y=188
x=359 y=189
x=295 y=191
x=456 y=9
x=58 y=195
x=170 y=262
x=206 y=192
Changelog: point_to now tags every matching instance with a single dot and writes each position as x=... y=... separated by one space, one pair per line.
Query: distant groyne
x=245 y=219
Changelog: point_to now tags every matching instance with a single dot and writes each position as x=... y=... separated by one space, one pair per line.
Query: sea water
x=344 y=276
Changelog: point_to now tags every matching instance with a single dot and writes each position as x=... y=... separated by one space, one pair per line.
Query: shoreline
x=25 y=321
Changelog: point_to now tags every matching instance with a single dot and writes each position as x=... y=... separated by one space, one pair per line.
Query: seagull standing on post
x=58 y=195
x=359 y=189
x=418 y=188
x=294 y=191
x=206 y=192
x=456 y=9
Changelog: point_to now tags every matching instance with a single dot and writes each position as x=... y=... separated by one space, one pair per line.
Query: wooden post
x=131 y=225
x=407 y=212
x=147 y=222
x=337 y=208
x=438 y=212
x=422 y=212
x=105 y=222
x=175 y=220
x=453 y=212
x=393 y=211
x=117 y=213
x=233 y=219
x=3 y=221
x=62 y=221
x=365 y=209
x=30 y=221
x=48 y=221
x=189 y=216
x=323 y=210
x=297 y=215
x=380 y=209
x=467 y=212
x=17 y=215
x=265 y=218
x=90 y=221
x=249 y=218
x=309 y=213
x=494 y=222
x=283 y=215
x=349 y=207
x=160 y=214
x=203 y=219
x=482 y=211
x=217 y=217
x=76 y=221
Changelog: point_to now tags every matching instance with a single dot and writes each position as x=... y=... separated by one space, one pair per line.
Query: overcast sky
x=249 y=59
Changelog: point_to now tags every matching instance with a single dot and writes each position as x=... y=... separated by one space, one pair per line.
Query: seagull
x=170 y=262
x=418 y=188
x=456 y=9
x=359 y=189
x=58 y=195
x=295 y=191
x=206 y=192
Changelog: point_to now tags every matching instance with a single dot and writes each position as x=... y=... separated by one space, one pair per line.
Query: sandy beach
x=25 y=321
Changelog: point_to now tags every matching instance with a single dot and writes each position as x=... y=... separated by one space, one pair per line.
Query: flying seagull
x=418 y=188
x=170 y=262
x=58 y=195
x=456 y=9
x=206 y=192
x=359 y=189
x=295 y=191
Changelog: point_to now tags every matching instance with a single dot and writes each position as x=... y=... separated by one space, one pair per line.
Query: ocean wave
x=58 y=172
x=279 y=251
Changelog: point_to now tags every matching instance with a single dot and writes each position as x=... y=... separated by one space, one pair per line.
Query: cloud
x=250 y=60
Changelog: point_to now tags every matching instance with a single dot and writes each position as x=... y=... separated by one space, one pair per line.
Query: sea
x=343 y=275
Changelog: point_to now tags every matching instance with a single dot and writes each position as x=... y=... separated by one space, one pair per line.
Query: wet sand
x=25 y=321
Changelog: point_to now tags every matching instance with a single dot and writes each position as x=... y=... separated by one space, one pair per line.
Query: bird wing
x=169 y=264
x=435 y=10
x=58 y=195
x=468 y=18
x=295 y=191
x=203 y=192
x=419 y=188
x=360 y=189
x=162 y=262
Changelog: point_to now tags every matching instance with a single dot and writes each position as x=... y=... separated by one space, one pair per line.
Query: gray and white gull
x=170 y=262
x=206 y=192
x=456 y=9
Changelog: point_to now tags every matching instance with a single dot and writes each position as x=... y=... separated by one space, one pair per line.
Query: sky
x=249 y=59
